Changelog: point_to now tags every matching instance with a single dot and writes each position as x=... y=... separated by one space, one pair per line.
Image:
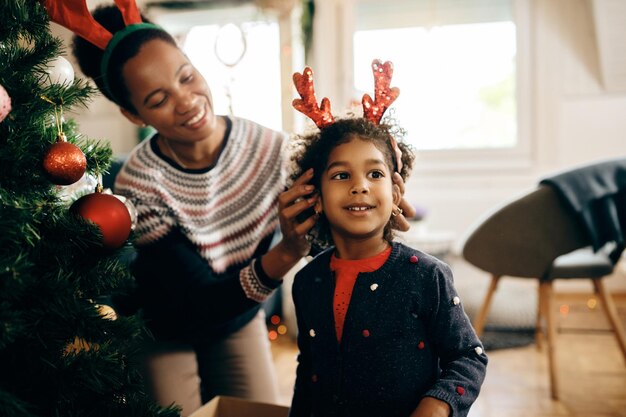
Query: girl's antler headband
x=373 y=110
x=75 y=16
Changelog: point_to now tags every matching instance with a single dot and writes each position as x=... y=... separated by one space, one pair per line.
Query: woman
x=210 y=196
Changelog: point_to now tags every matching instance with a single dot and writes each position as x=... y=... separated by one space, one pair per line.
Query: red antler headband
x=75 y=16
x=383 y=95
x=373 y=110
x=307 y=104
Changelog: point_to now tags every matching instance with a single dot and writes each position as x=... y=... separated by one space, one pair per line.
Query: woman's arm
x=178 y=282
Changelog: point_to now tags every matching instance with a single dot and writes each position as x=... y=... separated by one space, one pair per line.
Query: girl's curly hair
x=313 y=151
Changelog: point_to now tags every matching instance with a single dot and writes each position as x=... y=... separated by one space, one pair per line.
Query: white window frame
x=333 y=63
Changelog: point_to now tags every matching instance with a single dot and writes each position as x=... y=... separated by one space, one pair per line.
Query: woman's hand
x=400 y=221
x=294 y=245
x=291 y=204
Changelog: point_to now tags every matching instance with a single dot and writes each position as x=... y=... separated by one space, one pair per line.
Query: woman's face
x=357 y=191
x=168 y=93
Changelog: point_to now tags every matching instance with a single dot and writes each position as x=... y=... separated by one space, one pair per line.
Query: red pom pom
x=109 y=214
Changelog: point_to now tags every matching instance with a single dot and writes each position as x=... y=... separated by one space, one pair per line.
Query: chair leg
x=481 y=318
x=538 y=328
x=611 y=313
x=547 y=307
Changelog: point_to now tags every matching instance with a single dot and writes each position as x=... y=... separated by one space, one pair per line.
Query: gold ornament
x=106 y=312
x=79 y=345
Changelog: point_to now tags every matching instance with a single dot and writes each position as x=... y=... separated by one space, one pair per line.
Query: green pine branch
x=52 y=269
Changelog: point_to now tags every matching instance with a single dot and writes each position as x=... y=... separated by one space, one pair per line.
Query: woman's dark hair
x=313 y=151
x=89 y=56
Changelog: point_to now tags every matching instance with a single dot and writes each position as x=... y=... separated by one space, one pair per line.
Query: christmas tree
x=63 y=351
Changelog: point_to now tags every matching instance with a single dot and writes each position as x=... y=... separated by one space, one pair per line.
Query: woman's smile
x=198 y=120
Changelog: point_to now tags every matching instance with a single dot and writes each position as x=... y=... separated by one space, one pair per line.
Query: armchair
x=541 y=236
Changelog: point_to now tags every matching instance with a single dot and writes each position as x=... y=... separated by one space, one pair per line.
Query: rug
x=511 y=319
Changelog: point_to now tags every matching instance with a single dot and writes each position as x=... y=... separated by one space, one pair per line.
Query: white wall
x=573 y=120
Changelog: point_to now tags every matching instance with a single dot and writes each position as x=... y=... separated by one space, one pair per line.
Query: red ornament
x=64 y=163
x=109 y=214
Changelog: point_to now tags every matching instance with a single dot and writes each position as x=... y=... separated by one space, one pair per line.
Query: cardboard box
x=236 y=407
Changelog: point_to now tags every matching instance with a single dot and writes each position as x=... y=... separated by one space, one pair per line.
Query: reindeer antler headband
x=75 y=16
x=373 y=110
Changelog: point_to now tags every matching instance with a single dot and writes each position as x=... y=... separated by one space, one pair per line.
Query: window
x=457 y=65
x=454 y=94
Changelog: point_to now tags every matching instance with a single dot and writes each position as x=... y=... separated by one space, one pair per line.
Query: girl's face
x=168 y=93
x=357 y=193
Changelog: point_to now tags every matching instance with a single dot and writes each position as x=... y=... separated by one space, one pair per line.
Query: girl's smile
x=360 y=209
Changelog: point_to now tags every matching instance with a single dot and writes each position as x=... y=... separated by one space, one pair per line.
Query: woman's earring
x=396 y=211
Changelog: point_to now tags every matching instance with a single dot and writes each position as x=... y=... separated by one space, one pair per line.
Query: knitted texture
x=252 y=285
x=224 y=211
x=405 y=336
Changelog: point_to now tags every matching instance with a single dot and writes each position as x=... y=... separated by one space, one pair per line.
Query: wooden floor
x=591 y=369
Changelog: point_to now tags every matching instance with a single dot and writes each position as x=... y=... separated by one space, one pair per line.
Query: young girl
x=381 y=328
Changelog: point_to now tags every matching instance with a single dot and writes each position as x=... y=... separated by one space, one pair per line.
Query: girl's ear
x=133 y=117
x=397 y=195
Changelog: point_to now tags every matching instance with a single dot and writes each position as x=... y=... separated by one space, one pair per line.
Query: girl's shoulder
x=318 y=265
x=414 y=256
x=422 y=264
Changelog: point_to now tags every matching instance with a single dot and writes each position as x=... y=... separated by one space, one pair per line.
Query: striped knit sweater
x=225 y=210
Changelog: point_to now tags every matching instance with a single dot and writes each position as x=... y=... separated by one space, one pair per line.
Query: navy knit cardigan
x=406 y=336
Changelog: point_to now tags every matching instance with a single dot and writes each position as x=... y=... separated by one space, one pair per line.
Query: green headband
x=117 y=38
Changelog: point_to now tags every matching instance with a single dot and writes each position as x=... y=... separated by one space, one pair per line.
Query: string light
x=592 y=303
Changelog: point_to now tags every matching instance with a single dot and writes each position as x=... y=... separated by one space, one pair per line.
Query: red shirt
x=346 y=272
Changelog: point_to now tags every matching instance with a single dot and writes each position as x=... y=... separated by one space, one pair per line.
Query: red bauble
x=64 y=163
x=109 y=214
